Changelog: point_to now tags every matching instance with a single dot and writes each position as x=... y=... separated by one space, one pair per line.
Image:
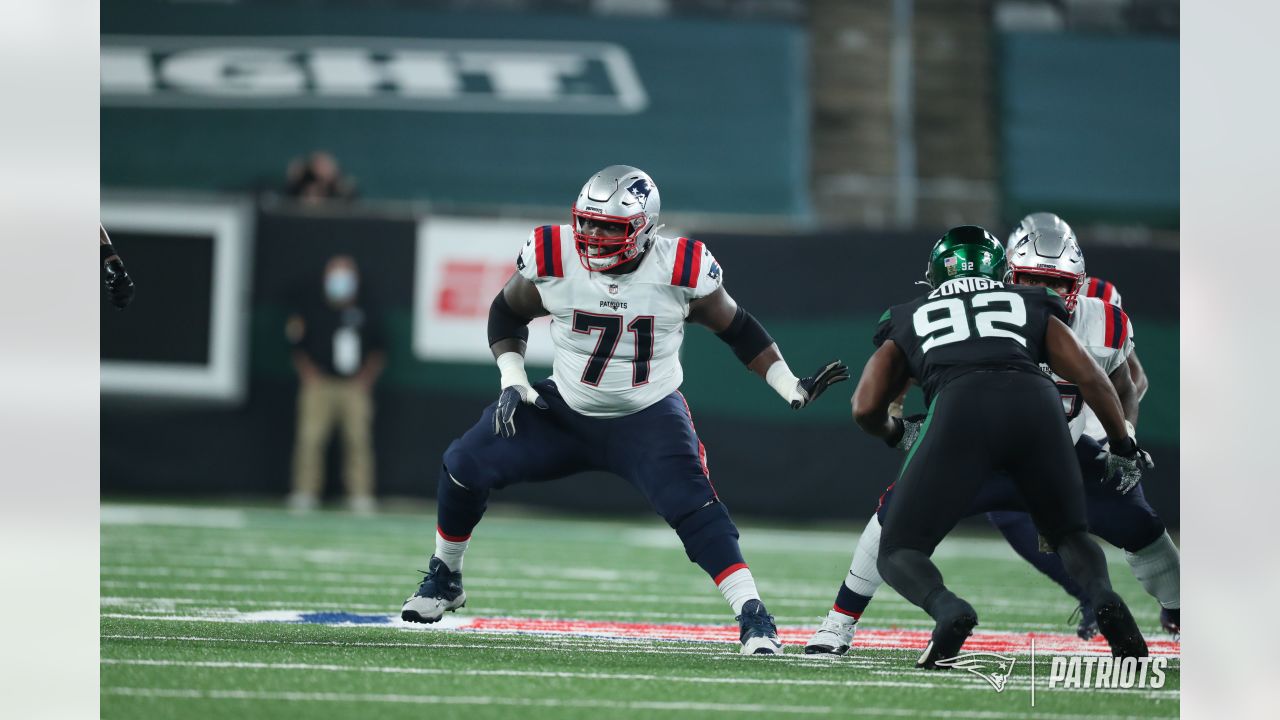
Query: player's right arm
x=512 y=309
x=884 y=379
x=1068 y=358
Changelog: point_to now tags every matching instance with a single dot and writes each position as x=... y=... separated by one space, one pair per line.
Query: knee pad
x=704 y=528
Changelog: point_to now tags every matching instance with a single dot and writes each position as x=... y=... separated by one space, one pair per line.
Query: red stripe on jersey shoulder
x=546 y=250
x=557 y=267
x=688 y=263
x=1117 y=327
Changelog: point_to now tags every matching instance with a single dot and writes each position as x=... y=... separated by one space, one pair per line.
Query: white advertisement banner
x=462 y=264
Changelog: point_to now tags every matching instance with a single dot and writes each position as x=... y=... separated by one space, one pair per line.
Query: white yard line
x=173 y=515
x=197 y=694
x=958 y=682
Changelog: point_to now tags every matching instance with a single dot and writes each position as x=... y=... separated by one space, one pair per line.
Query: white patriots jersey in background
x=617 y=337
x=1107 y=335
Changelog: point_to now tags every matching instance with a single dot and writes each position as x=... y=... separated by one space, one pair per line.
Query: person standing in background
x=338 y=351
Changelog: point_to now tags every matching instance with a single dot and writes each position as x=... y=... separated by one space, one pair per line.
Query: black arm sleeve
x=746 y=336
x=505 y=322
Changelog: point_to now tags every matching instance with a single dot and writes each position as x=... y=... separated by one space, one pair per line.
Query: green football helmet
x=965 y=251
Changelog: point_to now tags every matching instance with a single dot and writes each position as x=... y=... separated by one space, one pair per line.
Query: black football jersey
x=971 y=324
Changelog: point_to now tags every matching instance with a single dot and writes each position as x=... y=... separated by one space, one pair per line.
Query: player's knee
x=1055 y=535
x=705 y=528
x=464 y=470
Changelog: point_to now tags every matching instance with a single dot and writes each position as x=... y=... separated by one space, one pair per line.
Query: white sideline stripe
x=966 y=683
x=193 y=694
x=172 y=515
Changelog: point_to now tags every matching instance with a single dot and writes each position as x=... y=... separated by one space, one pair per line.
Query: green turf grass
x=169 y=579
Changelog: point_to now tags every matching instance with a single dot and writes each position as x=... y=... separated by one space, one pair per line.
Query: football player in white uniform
x=1150 y=551
x=612 y=402
x=1049 y=256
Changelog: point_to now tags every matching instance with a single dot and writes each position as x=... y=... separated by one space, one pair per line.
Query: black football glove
x=119 y=284
x=512 y=397
x=907 y=433
x=809 y=388
x=1126 y=462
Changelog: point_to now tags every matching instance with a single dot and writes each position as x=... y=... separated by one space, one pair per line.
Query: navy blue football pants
x=656 y=449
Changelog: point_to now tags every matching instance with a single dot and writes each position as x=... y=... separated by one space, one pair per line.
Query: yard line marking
x=195 y=694
x=208 y=518
x=895 y=639
x=702 y=680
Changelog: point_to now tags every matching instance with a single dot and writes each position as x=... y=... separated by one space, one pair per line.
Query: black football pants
x=980 y=424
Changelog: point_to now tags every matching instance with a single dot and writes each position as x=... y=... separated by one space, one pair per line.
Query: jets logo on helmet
x=965 y=251
x=1046 y=247
x=615 y=217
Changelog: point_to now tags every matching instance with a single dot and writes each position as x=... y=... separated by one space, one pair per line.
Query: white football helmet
x=1045 y=246
x=624 y=197
x=1029 y=223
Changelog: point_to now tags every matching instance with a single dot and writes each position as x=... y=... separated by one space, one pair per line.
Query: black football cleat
x=952 y=627
x=440 y=591
x=1119 y=628
x=1087 y=628
x=758 y=634
x=1171 y=620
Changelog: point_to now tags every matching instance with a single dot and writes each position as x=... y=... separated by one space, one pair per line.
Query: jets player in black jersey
x=975 y=346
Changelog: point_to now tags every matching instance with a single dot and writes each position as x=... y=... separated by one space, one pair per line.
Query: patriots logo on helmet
x=640 y=190
x=993 y=668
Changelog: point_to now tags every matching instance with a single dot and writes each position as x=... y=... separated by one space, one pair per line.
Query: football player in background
x=612 y=402
x=975 y=346
x=1049 y=256
x=1126 y=521
x=119 y=284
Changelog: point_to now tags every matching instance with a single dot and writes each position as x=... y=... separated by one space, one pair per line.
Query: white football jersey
x=1106 y=333
x=617 y=337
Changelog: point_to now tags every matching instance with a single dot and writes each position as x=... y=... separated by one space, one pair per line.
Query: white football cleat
x=440 y=592
x=833 y=637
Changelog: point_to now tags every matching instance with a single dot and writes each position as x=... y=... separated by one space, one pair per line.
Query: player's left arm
x=752 y=345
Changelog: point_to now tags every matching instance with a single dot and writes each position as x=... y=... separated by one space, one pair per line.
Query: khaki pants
x=321 y=403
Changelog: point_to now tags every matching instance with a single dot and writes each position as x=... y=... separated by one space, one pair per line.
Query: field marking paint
x=173 y=515
x=897 y=639
x=195 y=694
x=567 y=675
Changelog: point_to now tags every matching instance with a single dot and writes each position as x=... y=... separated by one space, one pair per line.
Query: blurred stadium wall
x=775 y=129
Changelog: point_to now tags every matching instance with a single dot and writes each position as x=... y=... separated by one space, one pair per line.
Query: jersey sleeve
x=540 y=259
x=1104 y=290
x=1117 y=333
x=884 y=330
x=695 y=269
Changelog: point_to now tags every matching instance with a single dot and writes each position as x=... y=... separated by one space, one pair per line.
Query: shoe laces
x=832 y=625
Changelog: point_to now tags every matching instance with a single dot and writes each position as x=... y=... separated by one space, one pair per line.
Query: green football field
x=237 y=612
